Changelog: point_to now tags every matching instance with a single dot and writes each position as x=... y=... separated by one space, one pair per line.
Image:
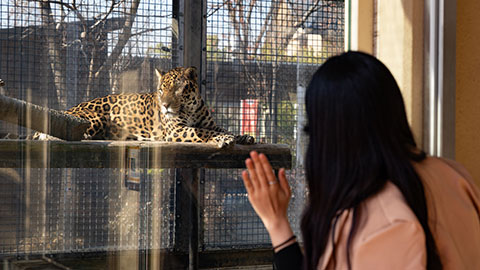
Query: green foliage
x=212 y=42
x=154 y=171
x=161 y=50
x=286 y=122
x=214 y=52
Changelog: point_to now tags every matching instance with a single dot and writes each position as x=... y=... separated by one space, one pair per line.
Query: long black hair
x=359 y=140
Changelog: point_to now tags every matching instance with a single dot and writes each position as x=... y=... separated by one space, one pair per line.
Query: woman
x=375 y=200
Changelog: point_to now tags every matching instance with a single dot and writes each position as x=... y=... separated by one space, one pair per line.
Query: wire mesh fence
x=61 y=53
x=260 y=56
x=58 y=54
x=258 y=59
x=82 y=210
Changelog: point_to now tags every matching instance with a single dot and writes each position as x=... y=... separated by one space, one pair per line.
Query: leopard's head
x=178 y=91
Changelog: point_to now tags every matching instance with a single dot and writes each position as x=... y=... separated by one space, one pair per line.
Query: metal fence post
x=187 y=214
x=145 y=209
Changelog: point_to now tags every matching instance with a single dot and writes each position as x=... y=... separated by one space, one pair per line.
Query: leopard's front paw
x=244 y=139
x=224 y=140
x=38 y=136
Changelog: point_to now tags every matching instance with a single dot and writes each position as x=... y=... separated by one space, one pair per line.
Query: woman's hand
x=268 y=196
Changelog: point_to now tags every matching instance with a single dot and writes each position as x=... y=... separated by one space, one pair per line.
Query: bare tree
x=280 y=21
x=91 y=41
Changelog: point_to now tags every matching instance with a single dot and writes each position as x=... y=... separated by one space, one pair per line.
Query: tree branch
x=110 y=10
x=265 y=25
x=72 y=7
x=249 y=12
x=299 y=23
x=307 y=14
x=55 y=55
x=122 y=39
x=216 y=8
x=148 y=31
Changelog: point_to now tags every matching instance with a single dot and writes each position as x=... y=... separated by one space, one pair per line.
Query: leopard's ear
x=191 y=73
x=159 y=74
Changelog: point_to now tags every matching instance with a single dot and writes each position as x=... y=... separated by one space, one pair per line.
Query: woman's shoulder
x=443 y=164
x=455 y=166
x=387 y=233
x=446 y=167
x=447 y=179
x=385 y=209
x=453 y=201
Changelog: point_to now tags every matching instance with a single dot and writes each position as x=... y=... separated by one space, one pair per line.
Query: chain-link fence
x=258 y=57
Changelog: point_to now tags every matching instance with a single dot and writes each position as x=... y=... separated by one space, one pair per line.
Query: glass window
x=108 y=204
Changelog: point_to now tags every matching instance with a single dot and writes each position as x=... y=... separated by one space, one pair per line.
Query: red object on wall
x=249 y=109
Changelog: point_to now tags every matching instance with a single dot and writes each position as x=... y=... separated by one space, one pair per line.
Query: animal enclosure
x=66 y=205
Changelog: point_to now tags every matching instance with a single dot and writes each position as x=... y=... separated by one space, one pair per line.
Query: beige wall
x=360 y=13
x=467 y=128
x=400 y=47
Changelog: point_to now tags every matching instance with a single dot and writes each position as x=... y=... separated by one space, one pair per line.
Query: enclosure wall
x=467 y=81
x=400 y=46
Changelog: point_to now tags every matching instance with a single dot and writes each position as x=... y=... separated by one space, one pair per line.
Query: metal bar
x=193 y=33
x=177 y=32
x=194 y=217
x=432 y=56
x=203 y=60
x=440 y=63
x=449 y=78
x=145 y=198
x=440 y=74
x=348 y=25
x=187 y=214
x=201 y=210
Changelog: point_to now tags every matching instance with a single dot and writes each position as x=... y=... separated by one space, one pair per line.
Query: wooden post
x=192 y=54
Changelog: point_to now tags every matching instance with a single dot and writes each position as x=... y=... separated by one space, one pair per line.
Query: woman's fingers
x=283 y=182
x=247 y=182
x=270 y=201
x=267 y=168
x=253 y=174
x=260 y=173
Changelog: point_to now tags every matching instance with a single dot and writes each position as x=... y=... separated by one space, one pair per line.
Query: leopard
x=175 y=112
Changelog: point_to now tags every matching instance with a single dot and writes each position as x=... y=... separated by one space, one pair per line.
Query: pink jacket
x=390 y=237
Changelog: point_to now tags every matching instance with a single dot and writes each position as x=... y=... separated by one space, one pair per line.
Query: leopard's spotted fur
x=176 y=112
